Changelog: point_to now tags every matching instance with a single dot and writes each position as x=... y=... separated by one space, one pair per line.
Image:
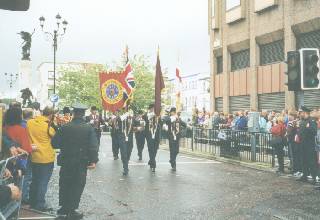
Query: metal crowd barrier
x=235 y=144
x=12 y=209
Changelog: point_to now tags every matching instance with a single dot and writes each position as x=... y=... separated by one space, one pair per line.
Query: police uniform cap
x=79 y=106
x=305 y=109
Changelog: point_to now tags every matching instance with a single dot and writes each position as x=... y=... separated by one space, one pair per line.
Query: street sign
x=54 y=98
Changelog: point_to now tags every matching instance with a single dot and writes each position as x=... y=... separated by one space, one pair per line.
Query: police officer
x=308 y=131
x=115 y=143
x=78 y=143
x=175 y=125
x=139 y=129
x=124 y=135
x=153 y=124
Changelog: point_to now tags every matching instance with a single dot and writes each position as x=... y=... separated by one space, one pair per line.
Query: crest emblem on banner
x=115 y=89
x=112 y=91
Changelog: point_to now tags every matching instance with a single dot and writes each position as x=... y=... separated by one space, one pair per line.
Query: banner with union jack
x=116 y=88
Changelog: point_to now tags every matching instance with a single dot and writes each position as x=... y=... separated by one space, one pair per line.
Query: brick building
x=248 y=43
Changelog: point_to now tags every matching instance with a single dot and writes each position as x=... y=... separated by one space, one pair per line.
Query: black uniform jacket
x=78 y=143
x=174 y=127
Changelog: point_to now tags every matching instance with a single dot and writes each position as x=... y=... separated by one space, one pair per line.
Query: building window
x=272 y=52
x=240 y=60
x=232 y=3
x=219 y=65
x=309 y=40
x=50 y=92
x=50 y=75
x=212 y=8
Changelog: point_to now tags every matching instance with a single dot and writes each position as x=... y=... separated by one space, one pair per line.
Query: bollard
x=253 y=147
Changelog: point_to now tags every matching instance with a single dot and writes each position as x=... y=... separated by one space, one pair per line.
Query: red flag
x=159 y=85
x=114 y=90
x=178 y=75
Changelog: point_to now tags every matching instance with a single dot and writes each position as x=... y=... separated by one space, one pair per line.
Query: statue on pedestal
x=26 y=44
x=26 y=96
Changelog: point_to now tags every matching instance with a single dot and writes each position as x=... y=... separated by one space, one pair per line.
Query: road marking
x=185 y=162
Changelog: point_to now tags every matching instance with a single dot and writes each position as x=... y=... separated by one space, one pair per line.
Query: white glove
x=150 y=115
x=173 y=118
x=124 y=116
x=92 y=122
x=165 y=127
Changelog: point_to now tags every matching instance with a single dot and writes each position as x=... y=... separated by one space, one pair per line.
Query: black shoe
x=74 y=215
x=174 y=167
x=62 y=212
x=125 y=173
x=115 y=158
x=153 y=170
x=140 y=158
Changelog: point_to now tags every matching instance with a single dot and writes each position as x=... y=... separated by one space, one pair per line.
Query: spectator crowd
x=299 y=131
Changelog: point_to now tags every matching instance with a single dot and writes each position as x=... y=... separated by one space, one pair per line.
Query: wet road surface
x=200 y=189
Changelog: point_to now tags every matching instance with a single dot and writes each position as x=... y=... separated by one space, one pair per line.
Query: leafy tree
x=83 y=85
x=80 y=86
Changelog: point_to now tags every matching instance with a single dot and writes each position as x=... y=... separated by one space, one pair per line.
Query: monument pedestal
x=24 y=78
x=25 y=74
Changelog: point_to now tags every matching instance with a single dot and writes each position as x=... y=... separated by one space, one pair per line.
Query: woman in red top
x=13 y=128
x=278 y=132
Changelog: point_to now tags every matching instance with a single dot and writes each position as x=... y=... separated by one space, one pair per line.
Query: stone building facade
x=249 y=40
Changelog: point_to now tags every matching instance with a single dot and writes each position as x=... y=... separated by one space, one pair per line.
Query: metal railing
x=234 y=144
x=12 y=209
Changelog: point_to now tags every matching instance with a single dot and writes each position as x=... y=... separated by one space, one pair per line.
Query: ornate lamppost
x=57 y=32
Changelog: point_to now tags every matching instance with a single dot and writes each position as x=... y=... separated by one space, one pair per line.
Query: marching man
x=152 y=135
x=124 y=125
x=139 y=130
x=175 y=125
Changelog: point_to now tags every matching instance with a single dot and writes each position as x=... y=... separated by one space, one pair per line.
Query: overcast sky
x=98 y=31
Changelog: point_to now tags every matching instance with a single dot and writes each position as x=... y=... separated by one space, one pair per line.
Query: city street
x=200 y=189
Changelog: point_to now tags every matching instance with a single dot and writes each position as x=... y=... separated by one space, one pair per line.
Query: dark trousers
x=309 y=161
x=98 y=133
x=296 y=156
x=140 y=141
x=174 y=150
x=27 y=181
x=280 y=155
x=115 y=145
x=125 y=149
x=153 y=146
x=41 y=174
x=71 y=185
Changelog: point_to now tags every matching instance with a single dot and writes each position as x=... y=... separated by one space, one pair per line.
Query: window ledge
x=235 y=14
x=261 y=6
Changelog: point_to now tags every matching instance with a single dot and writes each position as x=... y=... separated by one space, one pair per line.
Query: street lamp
x=12 y=78
x=57 y=32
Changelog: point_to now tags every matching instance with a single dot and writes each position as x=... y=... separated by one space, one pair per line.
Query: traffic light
x=294 y=71
x=15 y=5
x=309 y=68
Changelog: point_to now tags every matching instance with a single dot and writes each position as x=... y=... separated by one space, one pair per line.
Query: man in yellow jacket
x=40 y=133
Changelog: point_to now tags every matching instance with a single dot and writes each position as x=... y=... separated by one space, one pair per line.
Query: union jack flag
x=129 y=77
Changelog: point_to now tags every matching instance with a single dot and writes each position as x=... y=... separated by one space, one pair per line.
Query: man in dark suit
x=78 y=143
